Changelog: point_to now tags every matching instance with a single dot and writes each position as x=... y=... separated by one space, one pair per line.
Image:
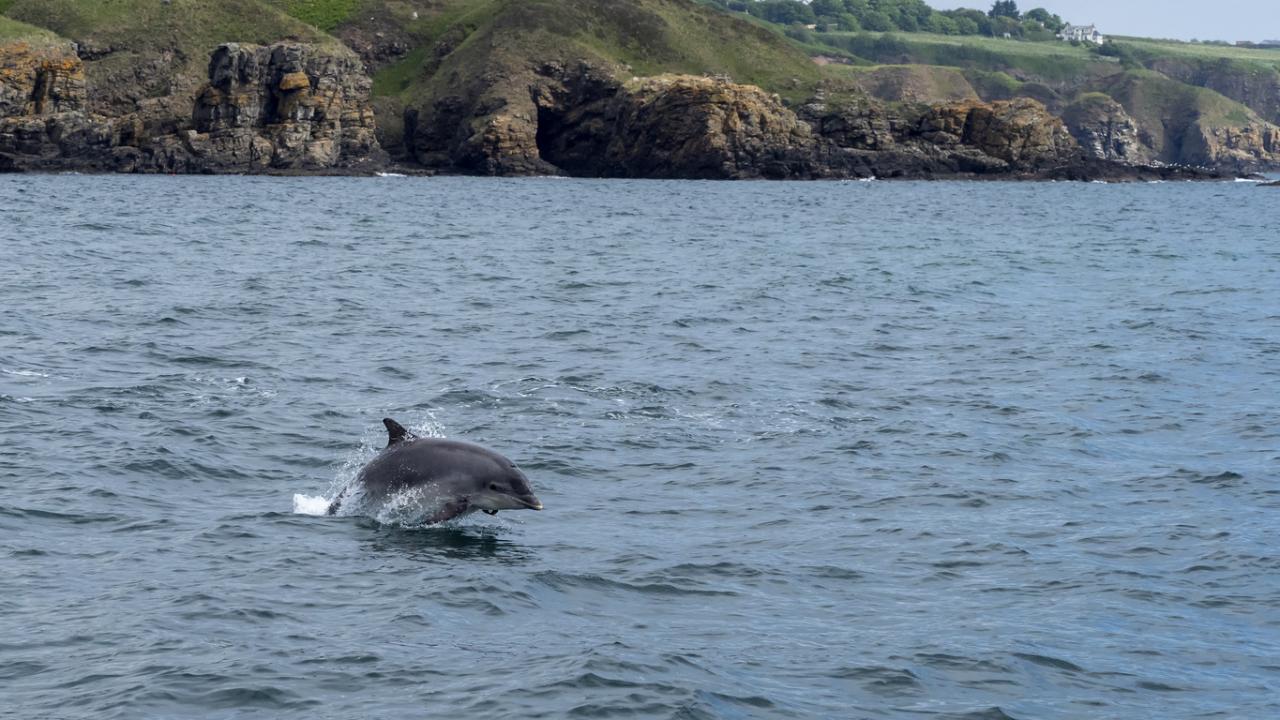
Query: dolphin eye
x=493 y=487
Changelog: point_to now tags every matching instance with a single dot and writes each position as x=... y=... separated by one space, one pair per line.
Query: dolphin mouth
x=531 y=502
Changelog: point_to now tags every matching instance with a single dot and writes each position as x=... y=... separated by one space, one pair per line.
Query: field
x=1201 y=51
x=1051 y=61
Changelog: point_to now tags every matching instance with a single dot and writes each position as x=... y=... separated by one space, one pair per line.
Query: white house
x=1082 y=33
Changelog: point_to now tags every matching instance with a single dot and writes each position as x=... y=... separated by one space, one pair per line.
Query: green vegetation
x=902 y=15
x=486 y=50
x=1049 y=61
x=1148 y=48
x=650 y=36
x=994 y=85
x=192 y=26
x=397 y=77
x=324 y=14
x=1155 y=101
x=910 y=83
x=11 y=30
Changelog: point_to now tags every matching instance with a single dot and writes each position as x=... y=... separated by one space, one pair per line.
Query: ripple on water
x=886 y=450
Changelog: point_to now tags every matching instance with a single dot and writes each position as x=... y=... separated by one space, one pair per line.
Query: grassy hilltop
x=421 y=52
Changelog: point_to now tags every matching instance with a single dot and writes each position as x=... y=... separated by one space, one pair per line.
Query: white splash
x=388 y=174
x=401 y=509
x=310 y=504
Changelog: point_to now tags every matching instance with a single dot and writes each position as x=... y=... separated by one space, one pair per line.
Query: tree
x=848 y=23
x=784 y=12
x=943 y=25
x=1004 y=25
x=1051 y=22
x=1005 y=8
x=970 y=22
x=830 y=8
x=1033 y=30
x=876 y=21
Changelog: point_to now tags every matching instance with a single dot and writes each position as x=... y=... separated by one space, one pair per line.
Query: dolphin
x=464 y=477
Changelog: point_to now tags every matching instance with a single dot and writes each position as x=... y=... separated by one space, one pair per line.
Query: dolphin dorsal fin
x=396 y=432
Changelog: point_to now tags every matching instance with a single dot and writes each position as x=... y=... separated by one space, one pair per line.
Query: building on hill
x=1082 y=33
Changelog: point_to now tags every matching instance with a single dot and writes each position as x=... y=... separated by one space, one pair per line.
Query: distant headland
x=775 y=89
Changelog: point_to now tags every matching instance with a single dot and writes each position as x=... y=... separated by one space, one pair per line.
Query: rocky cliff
x=580 y=87
x=679 y=126
x=1105 y=131
x=1252 y=85
x=285 y=107
x=43 y=119
x=579 y=120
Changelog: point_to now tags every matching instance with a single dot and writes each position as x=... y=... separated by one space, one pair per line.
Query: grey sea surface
x=807 y=450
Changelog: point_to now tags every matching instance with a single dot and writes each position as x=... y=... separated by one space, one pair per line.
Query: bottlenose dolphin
x=459 y=477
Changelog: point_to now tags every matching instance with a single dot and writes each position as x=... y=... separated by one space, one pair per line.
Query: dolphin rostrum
x=458 y=477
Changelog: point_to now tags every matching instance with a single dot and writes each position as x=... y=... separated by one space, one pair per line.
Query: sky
x=1181 y=19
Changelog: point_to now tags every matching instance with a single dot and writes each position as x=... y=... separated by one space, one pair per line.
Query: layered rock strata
x=285 y=107
x=1106 y=131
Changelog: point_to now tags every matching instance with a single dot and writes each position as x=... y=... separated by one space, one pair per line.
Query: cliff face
x=1189 y=125
x=580 y=121
x=1105 y=131
x=43 y=122
x=284 y=107
x=1240 y=147
x=552 y=86
x=40 y=80
x=678 y=126
x=1253 y=86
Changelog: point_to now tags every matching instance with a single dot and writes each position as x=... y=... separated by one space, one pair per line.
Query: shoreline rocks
x=285 y=107
x=299 y=109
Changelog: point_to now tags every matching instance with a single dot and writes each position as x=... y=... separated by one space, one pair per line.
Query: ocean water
x=807 y=450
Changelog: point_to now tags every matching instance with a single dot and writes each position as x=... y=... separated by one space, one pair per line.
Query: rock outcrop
x=961 y=138
x=42 y=81
x=581 y=121
x=294 y=107
x=1244 y=147
x=673 y=126
x=281 y=108
x=285 y=106
x=43 y=121
x=1105 y=131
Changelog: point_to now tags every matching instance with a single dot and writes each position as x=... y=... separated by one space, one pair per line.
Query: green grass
x=1156 y=101
x=394 y=79
x=652 y=37
x=908 y=83
x=11 y=30
x=1172 y=48
x=193 y=26
x=993 y=83
x=1055 y=61
x=323 y=14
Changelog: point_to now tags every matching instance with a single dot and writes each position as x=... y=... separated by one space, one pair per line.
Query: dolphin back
x=456 y=467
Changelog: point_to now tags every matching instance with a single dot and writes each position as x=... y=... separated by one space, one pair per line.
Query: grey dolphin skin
x=467 y=477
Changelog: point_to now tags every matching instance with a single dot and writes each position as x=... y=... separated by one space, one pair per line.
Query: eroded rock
x=284 y=106
x=1105 y=131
